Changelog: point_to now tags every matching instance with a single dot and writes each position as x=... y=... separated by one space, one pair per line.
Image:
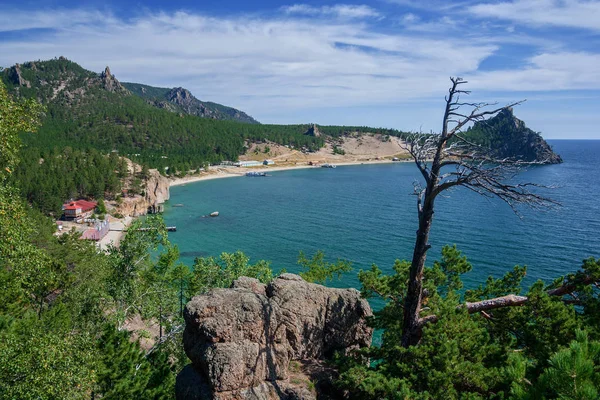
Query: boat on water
x=214 y=214
x=256 y=173
x=177 y=205
x=327 y=165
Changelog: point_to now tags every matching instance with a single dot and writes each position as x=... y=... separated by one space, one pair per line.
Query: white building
x=248 y=163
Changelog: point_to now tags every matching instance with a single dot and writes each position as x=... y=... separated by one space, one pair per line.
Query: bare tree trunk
x=431 y=154
x=414 y=294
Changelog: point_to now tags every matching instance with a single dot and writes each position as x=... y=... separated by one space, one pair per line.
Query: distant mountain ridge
x=181 y=100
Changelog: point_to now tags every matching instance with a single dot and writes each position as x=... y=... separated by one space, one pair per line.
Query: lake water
x=366 y=214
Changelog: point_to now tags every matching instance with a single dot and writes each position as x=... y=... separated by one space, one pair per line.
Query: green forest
x=65 y=305
x=85 y=121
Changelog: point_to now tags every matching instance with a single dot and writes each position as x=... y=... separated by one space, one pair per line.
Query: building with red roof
x=79 y=209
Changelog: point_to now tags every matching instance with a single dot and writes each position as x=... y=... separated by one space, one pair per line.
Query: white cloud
x=566 y=13
x=258 y=64
x=548 y=72
x=338 y=10
x=40 y=19
x=283 y=64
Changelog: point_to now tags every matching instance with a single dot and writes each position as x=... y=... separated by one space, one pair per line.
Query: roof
x=83 y=204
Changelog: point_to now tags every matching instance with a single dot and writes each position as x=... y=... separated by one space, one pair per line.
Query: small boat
x=177 y=205
x=255 y=173
x=214 y=214
x=326 y=165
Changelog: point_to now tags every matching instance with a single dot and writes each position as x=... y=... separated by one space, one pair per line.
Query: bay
x=367 y=214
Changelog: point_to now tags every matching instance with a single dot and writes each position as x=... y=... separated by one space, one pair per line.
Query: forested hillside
x=88 y=110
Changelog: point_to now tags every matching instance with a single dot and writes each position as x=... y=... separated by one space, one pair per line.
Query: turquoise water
x=366 y=214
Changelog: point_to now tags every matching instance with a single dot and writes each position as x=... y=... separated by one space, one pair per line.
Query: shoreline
x=219 y=172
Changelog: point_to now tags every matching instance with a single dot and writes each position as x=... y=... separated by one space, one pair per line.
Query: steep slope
x=181 y=100
x=509 y=137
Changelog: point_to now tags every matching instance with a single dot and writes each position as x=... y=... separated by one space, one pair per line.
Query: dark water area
x=367 y=214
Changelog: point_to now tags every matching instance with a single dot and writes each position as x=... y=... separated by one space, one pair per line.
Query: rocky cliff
x=508 y=137
x=156 y=192
x=242 y=340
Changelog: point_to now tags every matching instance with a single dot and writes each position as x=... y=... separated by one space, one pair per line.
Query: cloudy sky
x=377 y=63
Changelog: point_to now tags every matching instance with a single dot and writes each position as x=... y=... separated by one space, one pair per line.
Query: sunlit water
x=366 y=214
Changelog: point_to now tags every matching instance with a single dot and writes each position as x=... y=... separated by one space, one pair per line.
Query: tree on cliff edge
x=449 y=159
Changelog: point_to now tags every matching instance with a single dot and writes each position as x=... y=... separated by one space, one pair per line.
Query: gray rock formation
x=313 y=131
x=110 y=83
x=16 y=76
x=157 y=191
x=241 y=340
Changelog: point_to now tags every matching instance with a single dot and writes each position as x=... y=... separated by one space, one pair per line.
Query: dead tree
x=449 y=159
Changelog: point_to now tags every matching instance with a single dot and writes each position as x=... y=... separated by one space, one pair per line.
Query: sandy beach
x=220 y=172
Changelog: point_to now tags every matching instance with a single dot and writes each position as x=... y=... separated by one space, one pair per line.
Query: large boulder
x=241 y=340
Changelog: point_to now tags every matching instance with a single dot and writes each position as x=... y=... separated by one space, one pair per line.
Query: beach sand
x=219 y=172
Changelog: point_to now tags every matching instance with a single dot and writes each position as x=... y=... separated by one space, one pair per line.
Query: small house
x=78 y=209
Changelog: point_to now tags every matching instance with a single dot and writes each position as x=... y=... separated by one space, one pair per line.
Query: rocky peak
x=17 y=76
x=110 y=83
x=242 y=340
x=313 y=131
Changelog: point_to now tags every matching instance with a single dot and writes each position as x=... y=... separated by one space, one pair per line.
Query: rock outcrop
x=157 y=190
x=241 y=340
x=110 y=83
x=16 y=76
x=313 y=131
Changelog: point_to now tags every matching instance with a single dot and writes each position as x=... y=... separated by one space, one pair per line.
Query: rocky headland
x=508 y=137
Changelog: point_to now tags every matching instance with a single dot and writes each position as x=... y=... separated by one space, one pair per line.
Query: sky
x=381 y=63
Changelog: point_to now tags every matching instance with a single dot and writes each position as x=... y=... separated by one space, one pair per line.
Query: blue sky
x=378 y=63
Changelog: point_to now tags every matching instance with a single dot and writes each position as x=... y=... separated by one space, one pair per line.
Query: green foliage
x=511 y=352
x=338 y=150
x=15 y=117
x=41 y=363
x=125 y=373
x=318 y=270
x=47 y=179
x=573 y=372
x=209 y=272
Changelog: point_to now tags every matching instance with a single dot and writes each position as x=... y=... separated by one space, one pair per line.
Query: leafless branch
x=513 y=300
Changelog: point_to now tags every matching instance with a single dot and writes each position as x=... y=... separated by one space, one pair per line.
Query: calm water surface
x=367 y=214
